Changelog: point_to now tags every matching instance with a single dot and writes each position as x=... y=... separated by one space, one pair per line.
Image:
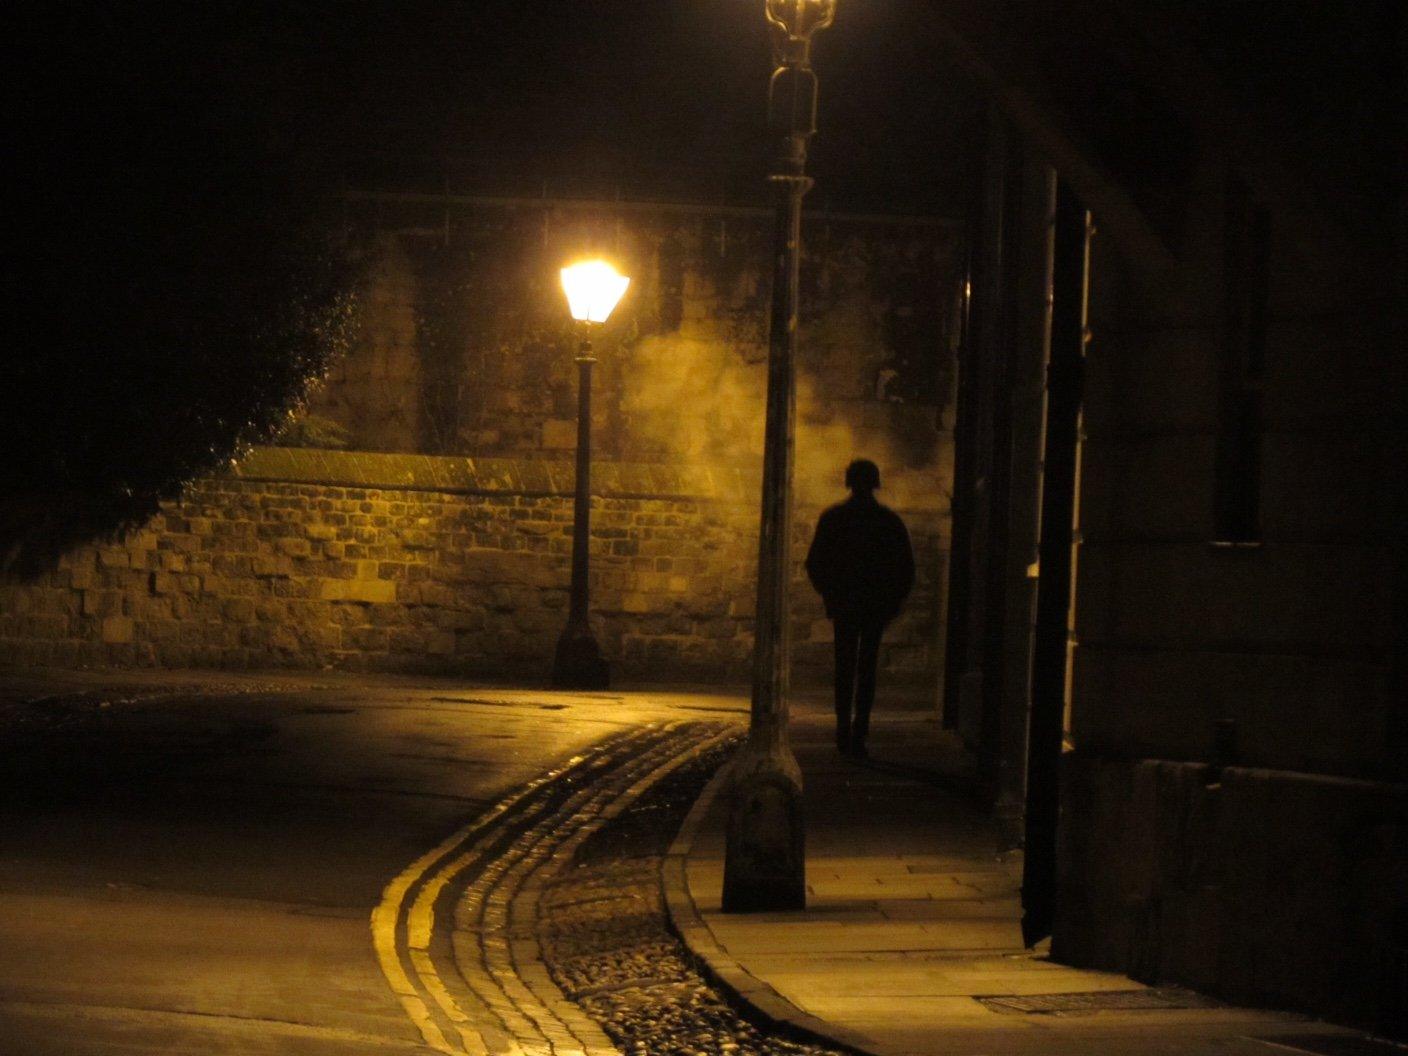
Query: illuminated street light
x=764 y=860
x=593 y=289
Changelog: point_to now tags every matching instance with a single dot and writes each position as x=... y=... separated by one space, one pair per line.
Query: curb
x=744 y=989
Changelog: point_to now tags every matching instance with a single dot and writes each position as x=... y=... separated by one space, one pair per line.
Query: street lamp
x=593 y=288
x=764 y=860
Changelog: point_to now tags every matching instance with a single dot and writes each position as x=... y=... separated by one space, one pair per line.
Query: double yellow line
x=429 y=882
x=403 y=923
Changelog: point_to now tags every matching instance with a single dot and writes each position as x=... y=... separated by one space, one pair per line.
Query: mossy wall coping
x=486 y=476
x=458 y=474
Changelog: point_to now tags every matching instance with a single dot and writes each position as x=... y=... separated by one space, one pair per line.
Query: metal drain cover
x=1332 y=1044
x=1096 y=1001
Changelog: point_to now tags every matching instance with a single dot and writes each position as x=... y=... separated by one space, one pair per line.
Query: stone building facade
x=467 y=347
x=1209 y=781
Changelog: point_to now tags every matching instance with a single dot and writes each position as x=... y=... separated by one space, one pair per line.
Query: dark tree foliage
x=177 y=279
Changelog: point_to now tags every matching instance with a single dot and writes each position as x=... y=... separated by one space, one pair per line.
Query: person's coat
x=860 y=561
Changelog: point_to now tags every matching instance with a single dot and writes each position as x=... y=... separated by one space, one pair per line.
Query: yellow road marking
x=420 y=915
x=388 y=911
x=384 y=942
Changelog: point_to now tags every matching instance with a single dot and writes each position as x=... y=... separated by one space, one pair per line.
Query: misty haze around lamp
x=593 y=289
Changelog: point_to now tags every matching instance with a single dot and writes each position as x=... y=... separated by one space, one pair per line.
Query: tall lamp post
x=593 y=289
x=764 y=856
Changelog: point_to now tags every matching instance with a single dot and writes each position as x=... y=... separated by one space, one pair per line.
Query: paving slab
x=913 y=916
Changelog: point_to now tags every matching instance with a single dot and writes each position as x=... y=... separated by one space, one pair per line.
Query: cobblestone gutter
x=541 y=928
x=605 y=934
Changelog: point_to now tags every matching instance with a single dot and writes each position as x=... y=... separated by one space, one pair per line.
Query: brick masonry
x=311 y=559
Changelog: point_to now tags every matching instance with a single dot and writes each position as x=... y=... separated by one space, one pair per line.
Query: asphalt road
x=188 y=865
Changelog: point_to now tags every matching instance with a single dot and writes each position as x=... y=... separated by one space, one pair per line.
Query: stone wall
x=466 y=346
x=1288 y=635
x=307 y=559
x=1240 y=604
x=1267 y=887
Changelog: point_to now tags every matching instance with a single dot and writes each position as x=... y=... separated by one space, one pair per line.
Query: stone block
x=292 y=546
x=721 y=628
x=435 y=594
x=145 y=607
x=559 y=434
x=163 y=583
x=460 y=619
x=405 y=640
x=117 y=630
x=113 y=557
x=238 y=610
x=388 y=615
x=171 y=561
x=283 y=640
x=373 y=591
x=46 y=627
x=101 y=602
x=366 y=639
x=269 y=610
x=265 y=566
x=325 y=637
x=742 y=606
x=416 y=539
x=254 y=636
x=184 y=543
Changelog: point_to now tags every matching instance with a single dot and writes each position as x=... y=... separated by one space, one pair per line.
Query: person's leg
x=847 y=642
x=868 y=656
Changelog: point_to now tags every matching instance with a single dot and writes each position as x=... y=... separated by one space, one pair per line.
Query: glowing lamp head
x=593 y=289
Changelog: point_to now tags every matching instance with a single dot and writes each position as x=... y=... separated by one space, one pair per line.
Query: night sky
x=497 y=96
x=120 y=103
x=648 y=99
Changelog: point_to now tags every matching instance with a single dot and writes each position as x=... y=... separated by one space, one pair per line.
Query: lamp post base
x=578 y=663
x=765 y=859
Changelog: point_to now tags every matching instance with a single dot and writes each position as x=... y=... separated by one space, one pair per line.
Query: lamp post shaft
x=764 y=860
x=582 y=499
x=578 y=663
x=773 y=642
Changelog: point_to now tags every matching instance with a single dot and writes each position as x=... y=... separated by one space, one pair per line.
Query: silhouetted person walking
x=862 y=565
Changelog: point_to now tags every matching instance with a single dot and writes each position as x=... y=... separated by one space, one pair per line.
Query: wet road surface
x=189 y=867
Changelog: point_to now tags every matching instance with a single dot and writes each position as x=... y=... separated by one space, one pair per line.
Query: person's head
x=862 y=476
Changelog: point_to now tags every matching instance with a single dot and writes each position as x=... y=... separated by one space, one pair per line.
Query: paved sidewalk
x=913 y=913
